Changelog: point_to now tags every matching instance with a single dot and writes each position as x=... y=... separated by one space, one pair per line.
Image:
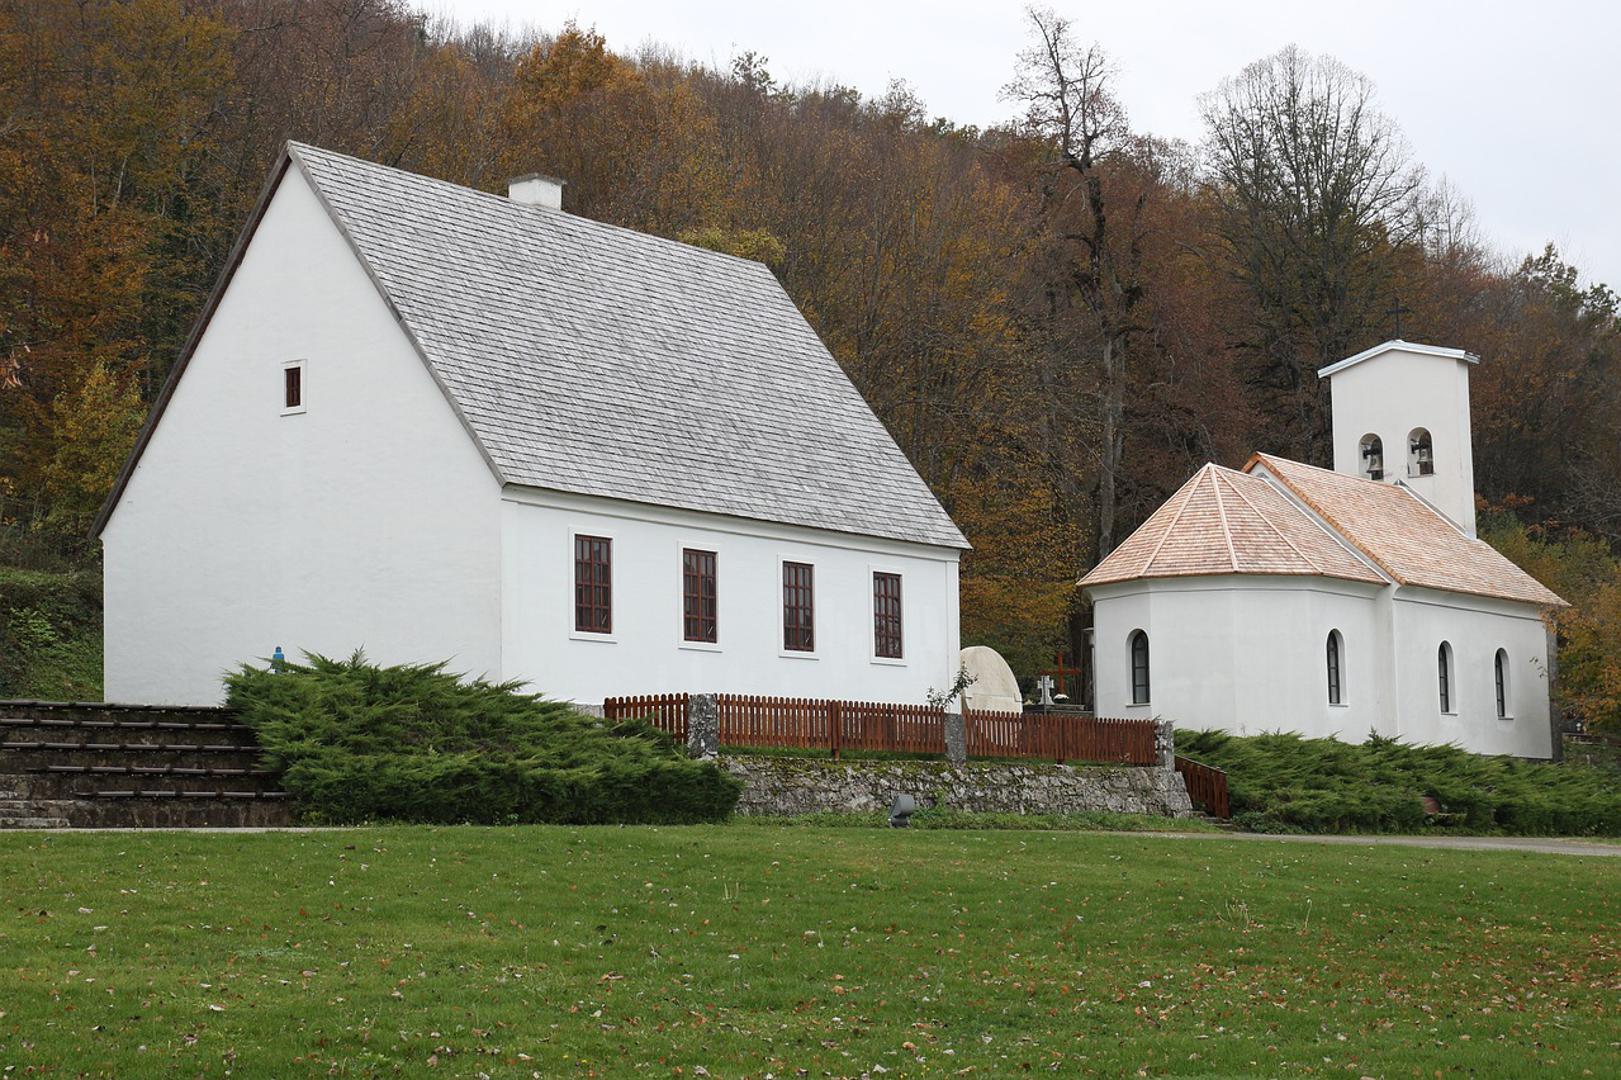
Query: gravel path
x=1538 y=845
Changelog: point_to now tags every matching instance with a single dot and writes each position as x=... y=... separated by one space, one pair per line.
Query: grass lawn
x=747 y=950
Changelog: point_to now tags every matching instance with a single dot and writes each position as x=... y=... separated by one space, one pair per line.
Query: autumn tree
x=105 y=108
x=1089 y=249
x=1313 y=189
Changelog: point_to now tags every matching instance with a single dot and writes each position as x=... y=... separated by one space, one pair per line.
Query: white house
x=443 y=424
x=1285 y=597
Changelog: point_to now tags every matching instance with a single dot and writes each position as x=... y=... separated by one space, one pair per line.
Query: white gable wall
x=646 y=653
x=368 y=520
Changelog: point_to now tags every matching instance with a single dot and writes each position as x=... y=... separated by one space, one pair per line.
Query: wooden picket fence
x=1061 y=737
x=667 y=712
x=835 y=726
x=1207 y=786
x=752 y=720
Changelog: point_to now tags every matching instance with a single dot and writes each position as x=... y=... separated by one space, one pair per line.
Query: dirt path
x=1539 y=845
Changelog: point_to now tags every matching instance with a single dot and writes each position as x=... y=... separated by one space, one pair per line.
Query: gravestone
x=994 y=688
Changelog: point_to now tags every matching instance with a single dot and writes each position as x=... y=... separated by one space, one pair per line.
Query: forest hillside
x=1059 y=317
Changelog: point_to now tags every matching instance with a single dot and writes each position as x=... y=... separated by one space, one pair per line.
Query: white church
x=442 y=424
x=1284 y=597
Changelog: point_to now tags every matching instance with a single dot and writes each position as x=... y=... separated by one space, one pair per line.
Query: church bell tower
x=1401 y=415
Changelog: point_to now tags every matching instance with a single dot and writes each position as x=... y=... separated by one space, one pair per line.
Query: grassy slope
x=749 y=949
x=50 y=634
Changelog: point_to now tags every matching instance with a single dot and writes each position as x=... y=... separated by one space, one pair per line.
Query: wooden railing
x=750 y=720
x=814 y=723
x=667 y=712
x=1061 y=737
x=1207 y=786
x=836 y=726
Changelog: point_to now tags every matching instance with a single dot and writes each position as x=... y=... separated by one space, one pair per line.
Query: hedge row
x=415 y=743
x=1285 y=782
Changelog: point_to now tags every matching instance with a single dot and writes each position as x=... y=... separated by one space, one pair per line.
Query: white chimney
x=536 y=190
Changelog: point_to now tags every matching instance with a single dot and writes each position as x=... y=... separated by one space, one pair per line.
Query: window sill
x=889 y=661
x=297 y=410
x=1448 y=715
x=700 y=646
x=1339 y=705
x=587 y=635
x=1506 y=719
x=795 y=654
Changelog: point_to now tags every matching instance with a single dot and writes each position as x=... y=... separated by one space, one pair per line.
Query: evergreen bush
x=1288 y=783
x=358 y=742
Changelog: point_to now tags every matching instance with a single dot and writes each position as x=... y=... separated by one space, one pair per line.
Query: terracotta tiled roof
x=1409 y=539
x=1226 y=522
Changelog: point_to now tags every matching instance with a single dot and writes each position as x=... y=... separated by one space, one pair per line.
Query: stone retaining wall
x=794 y=785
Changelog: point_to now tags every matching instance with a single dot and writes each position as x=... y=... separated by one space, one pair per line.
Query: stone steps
x=8 y=821
x=26 y=756
x=88 y=764
x=121 y=730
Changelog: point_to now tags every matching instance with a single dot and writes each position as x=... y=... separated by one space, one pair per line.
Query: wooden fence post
x=834 y=723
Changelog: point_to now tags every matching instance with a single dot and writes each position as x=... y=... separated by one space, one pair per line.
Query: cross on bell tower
x=1396 y=311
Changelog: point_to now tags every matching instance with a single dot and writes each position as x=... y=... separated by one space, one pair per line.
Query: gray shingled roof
x=593 y=359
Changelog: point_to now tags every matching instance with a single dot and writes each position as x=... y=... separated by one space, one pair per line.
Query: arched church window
x=1420 y=453
x=1500 y=669
x=1336 y=690
x=1373 y=457
x=1443 y=661
x=1139 y=668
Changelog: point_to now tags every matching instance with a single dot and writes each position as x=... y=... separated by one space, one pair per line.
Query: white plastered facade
x=368 y=518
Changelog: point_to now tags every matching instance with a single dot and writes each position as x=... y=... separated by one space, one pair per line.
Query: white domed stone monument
x=994 y=688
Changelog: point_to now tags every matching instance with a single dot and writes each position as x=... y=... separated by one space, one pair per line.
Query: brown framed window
x=593 y=584
x=886 y=616
x=798 y=607
x=293 y=386
x=699 y=619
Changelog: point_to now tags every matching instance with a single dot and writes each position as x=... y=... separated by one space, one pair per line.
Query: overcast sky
x=1517 y=104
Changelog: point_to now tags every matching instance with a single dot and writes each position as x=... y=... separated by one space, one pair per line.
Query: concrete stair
x=90 y=764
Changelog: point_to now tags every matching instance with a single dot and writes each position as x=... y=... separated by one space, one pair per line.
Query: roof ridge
x=1321 y=512
x=1148 y=564
x=1307 y=559
x=1221 y=509
x=294 y=147
x=1432 y=508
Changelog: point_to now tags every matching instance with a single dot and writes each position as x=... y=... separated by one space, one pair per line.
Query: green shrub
x=358 y=742
x=1284 y=783
x=50 y=634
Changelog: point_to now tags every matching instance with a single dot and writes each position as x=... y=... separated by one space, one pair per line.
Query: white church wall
x=1244 y=653
x=1392 y=394
x=1475 y=628
x=645 y=652
x=368 y=519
